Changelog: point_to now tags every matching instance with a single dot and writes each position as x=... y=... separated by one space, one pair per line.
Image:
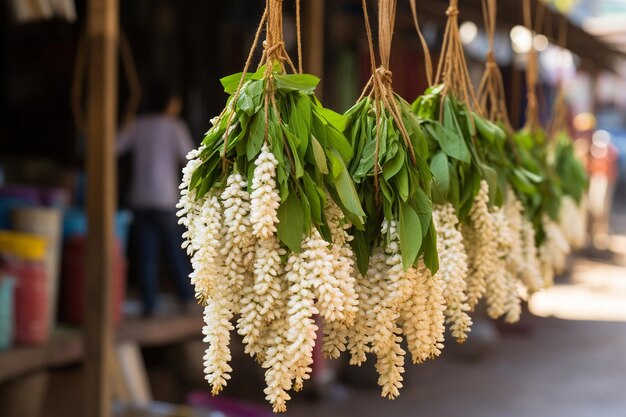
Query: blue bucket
x=6 y=311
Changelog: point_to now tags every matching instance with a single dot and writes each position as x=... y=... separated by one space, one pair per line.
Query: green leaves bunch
x=393 y=180
x=464 y=149
x=305 y=138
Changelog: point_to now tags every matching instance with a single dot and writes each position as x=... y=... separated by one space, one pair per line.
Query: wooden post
x=315 y=40
x=102 y=41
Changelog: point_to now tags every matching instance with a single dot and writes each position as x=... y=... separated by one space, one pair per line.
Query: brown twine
x=532 y=68
x=274 y=51
x=428 y=62
x=558 y=120
x=452 y=68
x=491 y=92
x=380 y=83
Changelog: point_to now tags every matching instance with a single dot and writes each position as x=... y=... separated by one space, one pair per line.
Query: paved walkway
x=561 y=368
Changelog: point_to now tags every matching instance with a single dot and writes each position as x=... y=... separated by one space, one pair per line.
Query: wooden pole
x=315 y=40
x=102 y=38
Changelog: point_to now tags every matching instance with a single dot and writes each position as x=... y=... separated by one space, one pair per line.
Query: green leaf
x=441 y=173
x=320 y=156
x=256 y=136
x=314 y=199
x=336 y=140
x=249 y=100
x=298 y=126
x=337 y=120
x=231 y=82
x=431 y=255
x=345 y=187
x=287 y=83
x=294 y=143
x=451 y=142
x=402 y=183
x=424 y=208
x=393 y=166
x=290 y=228
x=410 y=232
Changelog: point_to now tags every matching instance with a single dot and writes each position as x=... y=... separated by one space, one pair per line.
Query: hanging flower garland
x=397 y=252
x=266 y=200
x=464 y=177
x=572 y=216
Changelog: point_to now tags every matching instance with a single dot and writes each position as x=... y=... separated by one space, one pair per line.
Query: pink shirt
x=159 y=145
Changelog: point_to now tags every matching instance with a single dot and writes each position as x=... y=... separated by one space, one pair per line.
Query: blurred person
x=603 y=171
x=158 y=142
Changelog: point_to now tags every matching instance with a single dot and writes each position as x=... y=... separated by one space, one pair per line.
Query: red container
x=32 y=321
x=73 y=281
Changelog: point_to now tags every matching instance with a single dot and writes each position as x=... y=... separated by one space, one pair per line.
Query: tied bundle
x=267 y=200
x=540 y=189
x=572 y=214
x=396 y=253
x=465 y=153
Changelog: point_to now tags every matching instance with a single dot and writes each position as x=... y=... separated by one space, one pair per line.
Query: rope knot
x=274 y=51
x=452 y=11
x=491 y=60
x=384 y=75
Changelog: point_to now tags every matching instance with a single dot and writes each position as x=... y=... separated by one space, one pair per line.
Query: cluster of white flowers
x=553 y=251
x=281 y=298
x=532 y=276
x=482 y=245
x=240 y=268
x=453 y=270
x=573 y=222
x=394 y=302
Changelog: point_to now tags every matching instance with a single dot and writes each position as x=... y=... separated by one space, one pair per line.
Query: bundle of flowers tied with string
x=542 y=196
x=468 y=190
x=267 y=200
x=397 y=252
x=572 y=216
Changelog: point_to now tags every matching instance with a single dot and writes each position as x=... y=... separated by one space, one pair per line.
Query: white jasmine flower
x=482 y=244
x=359 y=333
x=453 y=270
x=390 y=366
x=336 y=335
x=252 y=324
x=278 y=372
x=217 y=318
x=188 y=206
x=268 y=276
x=497 y=285
x=513 y=302
x=573 y=222
x=554 y=251
x=265 y=199
x=302 y=328
x=320 y=264
x=206 y=261
x=513 y=210
x=238 y=244
x=532 y=276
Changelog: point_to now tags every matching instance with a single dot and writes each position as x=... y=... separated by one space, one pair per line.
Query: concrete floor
x=560 y=368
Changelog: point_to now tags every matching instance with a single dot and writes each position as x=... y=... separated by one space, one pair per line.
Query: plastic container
x=23 y=257
x=73 y=281
x=44 y=222
x=7 y=285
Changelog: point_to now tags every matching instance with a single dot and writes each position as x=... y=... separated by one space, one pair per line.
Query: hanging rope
x=428 y=62
x=491 y=93
x=274 y=52
x=558 y=121
x=380 y=83
x=532 y=69
x=452 y=69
